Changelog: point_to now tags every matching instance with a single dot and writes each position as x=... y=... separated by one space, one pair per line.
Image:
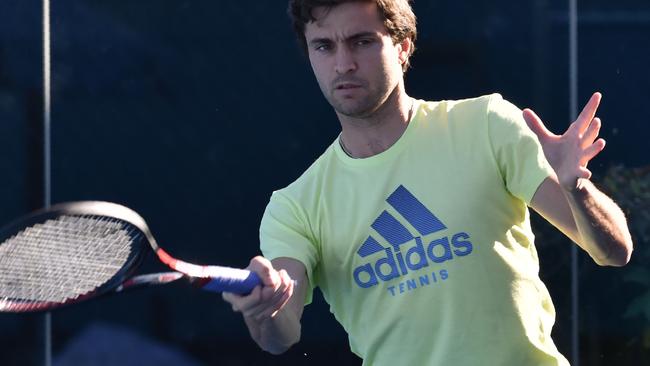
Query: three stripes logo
x=407 y=252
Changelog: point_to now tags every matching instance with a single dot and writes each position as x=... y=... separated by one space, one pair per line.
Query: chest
x=410 y=214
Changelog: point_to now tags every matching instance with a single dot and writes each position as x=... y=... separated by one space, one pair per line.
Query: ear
x=403 y=49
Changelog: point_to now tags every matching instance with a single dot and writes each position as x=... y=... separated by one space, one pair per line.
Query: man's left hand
x=570 y=152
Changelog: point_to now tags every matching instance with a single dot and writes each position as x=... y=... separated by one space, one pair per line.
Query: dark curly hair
x=398 y=18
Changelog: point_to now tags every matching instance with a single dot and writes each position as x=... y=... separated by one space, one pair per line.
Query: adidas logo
x=407 y=252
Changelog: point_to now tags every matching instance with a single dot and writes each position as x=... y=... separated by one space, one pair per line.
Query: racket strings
x=63 y=258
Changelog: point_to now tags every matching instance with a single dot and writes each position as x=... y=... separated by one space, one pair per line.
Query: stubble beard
x=362 y=106
x=367 y=101
x=355 y=108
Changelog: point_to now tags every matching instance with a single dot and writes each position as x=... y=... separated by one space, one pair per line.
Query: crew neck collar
x=387 y=154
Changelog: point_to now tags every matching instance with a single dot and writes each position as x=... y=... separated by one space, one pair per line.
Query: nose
x=345 y=61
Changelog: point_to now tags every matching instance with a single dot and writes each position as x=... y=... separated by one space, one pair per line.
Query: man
x=414 y=221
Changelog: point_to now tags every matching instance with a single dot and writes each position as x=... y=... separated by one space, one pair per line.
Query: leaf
x=640 y=306
x=640 y=275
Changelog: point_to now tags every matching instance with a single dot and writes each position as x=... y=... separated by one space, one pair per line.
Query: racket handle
x=238 y=281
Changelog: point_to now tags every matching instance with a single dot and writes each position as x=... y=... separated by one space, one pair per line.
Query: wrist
x=576 y=186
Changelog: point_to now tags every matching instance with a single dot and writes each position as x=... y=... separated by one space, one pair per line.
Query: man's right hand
x=272 y=312
x=265 y=301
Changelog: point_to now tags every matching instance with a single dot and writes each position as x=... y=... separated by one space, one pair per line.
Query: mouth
x=347 y=86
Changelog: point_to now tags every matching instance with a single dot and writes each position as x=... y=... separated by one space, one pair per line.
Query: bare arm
x=272 y=313
x=569 y=200
x=587 y=216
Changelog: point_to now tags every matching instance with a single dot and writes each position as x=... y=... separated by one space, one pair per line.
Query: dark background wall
x=193 y=112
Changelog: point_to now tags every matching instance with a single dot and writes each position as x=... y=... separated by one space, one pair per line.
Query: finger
x=591 y=151
x=285 y=288
x=243 y=304
x=264 y=309
x=535 y=124
x=288 y=284
x=264 y=270
x=275 y=301
x=279 y=305
x=276 y=305
x=256 y=309
x=584 y=173
x=233 y=299
x=229 y=296
x=592 y=132
x=588 y=112
x=286 y=296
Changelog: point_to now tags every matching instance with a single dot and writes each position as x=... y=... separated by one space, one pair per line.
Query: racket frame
x=207 y=277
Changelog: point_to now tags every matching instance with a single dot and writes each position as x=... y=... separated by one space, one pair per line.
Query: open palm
x=570 y=152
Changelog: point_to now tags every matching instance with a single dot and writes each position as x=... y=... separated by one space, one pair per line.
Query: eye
x=322 y=47
x=363 y=42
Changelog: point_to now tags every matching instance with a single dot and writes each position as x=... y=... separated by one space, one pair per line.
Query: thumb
x=264 y=269
x=535 y=124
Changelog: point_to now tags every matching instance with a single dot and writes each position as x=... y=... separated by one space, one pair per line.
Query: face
x=353 y=57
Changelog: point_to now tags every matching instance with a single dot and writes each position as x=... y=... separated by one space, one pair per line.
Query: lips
x=347 y=83
x=347 y=86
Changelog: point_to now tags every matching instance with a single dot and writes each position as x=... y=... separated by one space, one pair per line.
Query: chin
x=353 y=108
x=354 y=112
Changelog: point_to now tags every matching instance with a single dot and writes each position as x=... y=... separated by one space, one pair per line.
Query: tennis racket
x=75 y=251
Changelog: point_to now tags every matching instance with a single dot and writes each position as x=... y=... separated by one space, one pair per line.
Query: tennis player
x=414 y=223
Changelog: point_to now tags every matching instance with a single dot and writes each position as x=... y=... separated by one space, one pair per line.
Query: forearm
x=277 y=333
x=272 y=312
x=601 y=225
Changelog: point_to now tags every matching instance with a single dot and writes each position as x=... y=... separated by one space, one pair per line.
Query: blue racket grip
x=238 y=281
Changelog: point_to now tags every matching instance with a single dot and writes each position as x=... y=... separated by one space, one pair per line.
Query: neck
x=374 y=134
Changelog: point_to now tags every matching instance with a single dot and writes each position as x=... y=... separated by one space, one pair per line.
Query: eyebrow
x=316 y=41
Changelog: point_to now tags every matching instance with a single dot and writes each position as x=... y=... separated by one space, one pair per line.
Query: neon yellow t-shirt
x=425 y=252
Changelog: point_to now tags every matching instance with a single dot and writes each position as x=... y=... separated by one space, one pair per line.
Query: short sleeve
x=516 y=149
x=284 y=233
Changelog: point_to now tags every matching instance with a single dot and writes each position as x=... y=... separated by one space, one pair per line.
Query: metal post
x=573 y=113
x=47 y=319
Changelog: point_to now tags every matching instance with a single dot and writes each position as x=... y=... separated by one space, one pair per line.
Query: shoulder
x=500 y=108
x=489 y=108
x=474 y=107
x=460 y=114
